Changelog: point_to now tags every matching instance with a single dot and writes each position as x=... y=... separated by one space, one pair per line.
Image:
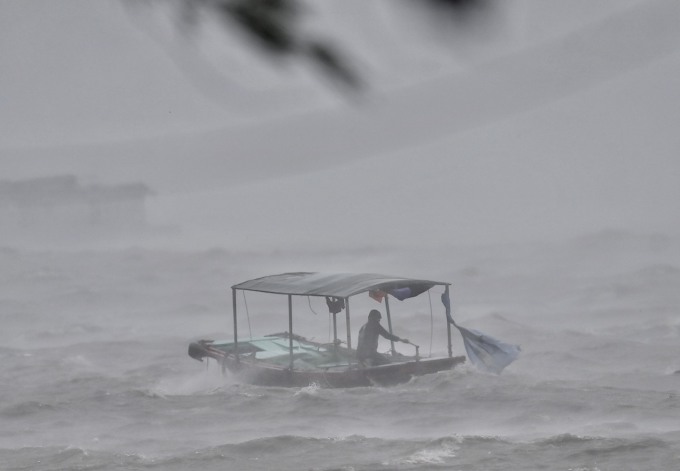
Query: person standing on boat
x=367 y=345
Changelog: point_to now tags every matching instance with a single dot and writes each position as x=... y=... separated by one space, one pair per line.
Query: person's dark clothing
x=367 y=345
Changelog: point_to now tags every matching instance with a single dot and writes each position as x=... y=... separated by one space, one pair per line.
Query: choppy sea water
x=95 y=373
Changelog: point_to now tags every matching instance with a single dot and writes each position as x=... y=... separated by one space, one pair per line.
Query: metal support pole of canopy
x=349 y=332
x=290 y=329
x=448 y=324
x=335 y=329
x=233 y=307
x=389 y=321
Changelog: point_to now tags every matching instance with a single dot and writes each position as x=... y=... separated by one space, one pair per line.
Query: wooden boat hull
x=353 y=376
x=337 y=368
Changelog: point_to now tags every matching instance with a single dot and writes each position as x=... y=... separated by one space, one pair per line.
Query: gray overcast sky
x=562 y=117
x=81 y=71
x=86 y=71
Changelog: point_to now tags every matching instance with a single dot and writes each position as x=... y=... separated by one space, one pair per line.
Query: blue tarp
x=485 y=352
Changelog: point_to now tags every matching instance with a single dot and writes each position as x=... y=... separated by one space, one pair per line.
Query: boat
x=290 y=360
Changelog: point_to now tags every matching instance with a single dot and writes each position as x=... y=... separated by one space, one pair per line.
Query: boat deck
x=307 y=355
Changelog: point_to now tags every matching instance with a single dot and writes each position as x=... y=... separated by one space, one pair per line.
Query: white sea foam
x=431 y=455
x=311 y=390
x=200 y=383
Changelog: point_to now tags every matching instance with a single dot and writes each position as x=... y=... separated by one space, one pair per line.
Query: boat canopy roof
x=339 y=285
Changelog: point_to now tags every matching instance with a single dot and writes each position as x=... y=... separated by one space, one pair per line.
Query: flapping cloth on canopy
x=339 y=285
x=486 y=352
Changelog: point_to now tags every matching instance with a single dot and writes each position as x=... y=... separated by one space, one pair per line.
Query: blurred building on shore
x=61 y=208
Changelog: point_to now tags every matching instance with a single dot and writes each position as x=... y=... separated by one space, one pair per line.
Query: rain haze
x=153 y=154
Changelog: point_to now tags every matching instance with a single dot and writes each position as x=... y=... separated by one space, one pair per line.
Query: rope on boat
x=250 y=330
x=309 y=301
